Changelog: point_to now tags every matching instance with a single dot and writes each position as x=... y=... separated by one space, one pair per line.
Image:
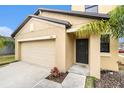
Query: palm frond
x=96 y=27
x=114 y=26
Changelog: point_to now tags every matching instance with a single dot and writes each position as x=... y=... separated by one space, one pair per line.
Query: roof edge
x=75 y=13
x=62 y=22
x=20 y=26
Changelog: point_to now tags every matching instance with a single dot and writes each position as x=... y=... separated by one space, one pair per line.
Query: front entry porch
x=80 y=69
x=83 y=56
x=81 y=65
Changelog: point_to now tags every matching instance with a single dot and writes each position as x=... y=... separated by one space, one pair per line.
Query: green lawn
x=90 y=82
x=7 y=59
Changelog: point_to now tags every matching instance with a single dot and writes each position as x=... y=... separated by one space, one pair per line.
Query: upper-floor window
x=105 y=43
x=91 y=8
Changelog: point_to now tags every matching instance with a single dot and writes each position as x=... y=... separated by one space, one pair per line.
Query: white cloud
x=5 y=31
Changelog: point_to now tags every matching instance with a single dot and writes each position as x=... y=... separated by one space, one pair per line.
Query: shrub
x=55 y=72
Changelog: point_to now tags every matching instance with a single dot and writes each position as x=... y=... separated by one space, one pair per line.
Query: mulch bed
x=110 y=79
x=57 y=79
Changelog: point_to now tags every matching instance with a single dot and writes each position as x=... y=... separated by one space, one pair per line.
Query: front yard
x=109 y=79
x=5 y=59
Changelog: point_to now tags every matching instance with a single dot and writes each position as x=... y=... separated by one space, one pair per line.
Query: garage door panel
x=39 y=52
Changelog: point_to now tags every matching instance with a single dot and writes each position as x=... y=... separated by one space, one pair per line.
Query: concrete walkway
x=79 y=69
x=71 y=81
x=26 y=75
x=74 y=81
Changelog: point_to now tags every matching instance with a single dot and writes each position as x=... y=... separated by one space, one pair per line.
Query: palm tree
x=114 y=26
x=116 y=22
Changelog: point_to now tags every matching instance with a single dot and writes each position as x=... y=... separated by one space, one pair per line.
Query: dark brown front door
x=82 y=51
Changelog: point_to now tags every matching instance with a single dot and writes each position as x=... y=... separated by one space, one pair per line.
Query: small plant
x=55 y=72
x=56 y=75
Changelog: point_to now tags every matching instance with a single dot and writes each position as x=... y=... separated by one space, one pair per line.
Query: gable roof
x=66 y=23
x=75 y=13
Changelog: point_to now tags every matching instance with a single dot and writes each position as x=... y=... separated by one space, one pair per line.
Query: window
x=91 y=8
x=105 y=43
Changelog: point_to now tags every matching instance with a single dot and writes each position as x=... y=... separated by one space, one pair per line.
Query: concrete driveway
x=22 y=75
x=27 y=75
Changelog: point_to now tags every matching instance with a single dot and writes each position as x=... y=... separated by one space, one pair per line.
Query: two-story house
x=46 y=39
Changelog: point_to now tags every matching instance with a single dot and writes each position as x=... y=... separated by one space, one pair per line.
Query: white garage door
x=39 y=52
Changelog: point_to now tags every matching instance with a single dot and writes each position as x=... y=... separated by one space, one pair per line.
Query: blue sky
x=12 y=16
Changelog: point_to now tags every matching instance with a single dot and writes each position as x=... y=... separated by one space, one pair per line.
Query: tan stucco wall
x=74 y=20
x=106 y=8
x=78 y=7
x=121 y=58
x=109 y=60
x=43 y=28
x=94 y=55
x=101 y=8
x=70 y=56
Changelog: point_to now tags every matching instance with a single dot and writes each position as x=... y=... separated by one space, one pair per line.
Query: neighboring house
x=121 y=46
x=9 y=48
x=46 y=38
